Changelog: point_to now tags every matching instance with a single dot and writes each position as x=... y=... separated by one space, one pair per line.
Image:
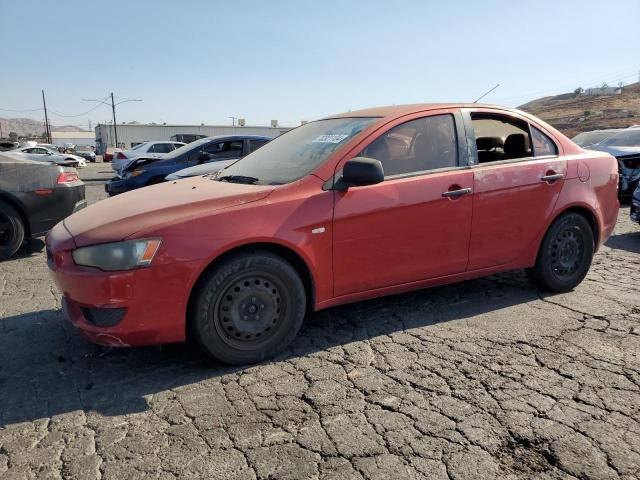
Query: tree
x=578 y=91
x=13 y=136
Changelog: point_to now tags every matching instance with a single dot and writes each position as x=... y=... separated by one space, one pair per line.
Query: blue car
x=149 y=171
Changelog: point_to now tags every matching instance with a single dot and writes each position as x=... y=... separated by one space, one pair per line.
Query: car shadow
x=30 y=248
x=47 y=369
x=629 y=241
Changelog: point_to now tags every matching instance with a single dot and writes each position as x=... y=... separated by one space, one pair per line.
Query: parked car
x=34 y=196
x=625 y=146
x=211 y=167
x=586 y=139
x=343 y=209
x=187 y=137
x=635 y=205
x=87 y=153
x=145 y=171
x=42 y=154
x=8 y=145
x=121 y=159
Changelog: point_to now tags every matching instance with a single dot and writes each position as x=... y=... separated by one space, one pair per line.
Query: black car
x=148 y=171
x=34 y=196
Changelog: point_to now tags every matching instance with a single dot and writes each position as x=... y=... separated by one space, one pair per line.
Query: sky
x=193 y=62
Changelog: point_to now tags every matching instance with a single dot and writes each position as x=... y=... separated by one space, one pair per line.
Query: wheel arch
x=288 y=253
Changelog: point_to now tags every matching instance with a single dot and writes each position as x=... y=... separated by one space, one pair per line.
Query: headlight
x=135 y=173
x=118 y=256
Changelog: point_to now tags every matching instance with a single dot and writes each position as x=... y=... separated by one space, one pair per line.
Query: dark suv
x=149 y=171
x=187 y=137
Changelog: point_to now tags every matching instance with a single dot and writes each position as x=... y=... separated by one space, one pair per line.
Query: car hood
x=204 y=169
x=122 y=216
x=616 y=151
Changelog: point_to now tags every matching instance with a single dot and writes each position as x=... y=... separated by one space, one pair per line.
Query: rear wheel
x=11 y=231
x=565 y=255
x=248 y=308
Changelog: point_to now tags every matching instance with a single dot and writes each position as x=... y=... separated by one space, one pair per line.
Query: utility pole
x=233 y=121
x=115 y=125
x=113 y=110
x=46 y=119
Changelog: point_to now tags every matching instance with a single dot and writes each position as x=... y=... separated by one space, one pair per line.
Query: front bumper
x=117 y=185
x=149 y=304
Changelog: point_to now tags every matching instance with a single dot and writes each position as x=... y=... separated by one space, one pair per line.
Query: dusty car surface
x=34 y=196
x=351 y=207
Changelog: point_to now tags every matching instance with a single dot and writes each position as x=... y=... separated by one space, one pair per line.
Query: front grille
x=103 y=317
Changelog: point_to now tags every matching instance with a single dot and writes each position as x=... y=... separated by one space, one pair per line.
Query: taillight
x=121 y=156
x=68 y=177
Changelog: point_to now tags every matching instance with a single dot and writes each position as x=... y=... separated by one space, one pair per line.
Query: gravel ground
x=482 y=379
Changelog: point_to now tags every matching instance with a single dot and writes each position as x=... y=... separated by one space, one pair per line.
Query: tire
x=12 y=231
x=565 y=255
x=248 y=308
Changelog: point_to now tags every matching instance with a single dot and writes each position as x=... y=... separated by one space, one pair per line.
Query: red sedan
x=347 y=208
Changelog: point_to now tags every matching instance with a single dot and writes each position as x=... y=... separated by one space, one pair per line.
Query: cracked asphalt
x=478 y=380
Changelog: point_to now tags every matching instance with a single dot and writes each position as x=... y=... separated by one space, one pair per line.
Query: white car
x=121 y=159
x=42 y=154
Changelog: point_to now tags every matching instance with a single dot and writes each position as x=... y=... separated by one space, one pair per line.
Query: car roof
x=399 y=110
x=237 y=137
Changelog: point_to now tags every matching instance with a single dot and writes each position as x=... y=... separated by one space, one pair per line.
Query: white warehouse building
x=131 y=134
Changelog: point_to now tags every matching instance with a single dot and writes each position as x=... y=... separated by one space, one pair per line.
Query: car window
x=420 y=145
x=226 y=150
x=161 y=148
x=542 y=144
x=256 y=144
x=624 y=138
x=499 y=137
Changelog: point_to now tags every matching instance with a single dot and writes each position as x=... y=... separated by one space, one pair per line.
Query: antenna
x=485 y=94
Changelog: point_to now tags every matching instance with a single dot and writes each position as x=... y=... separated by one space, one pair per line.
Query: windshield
x=296 y=153
x=585 y=139
x=186 y=148
x=140 y=145
x=626 y=138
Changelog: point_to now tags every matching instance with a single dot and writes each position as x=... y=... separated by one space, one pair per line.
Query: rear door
x=414 y=225
x=517 y=177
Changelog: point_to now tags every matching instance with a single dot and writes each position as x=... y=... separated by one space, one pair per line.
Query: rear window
x=542 y=144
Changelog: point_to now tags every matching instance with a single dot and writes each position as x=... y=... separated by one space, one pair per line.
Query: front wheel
x=565 y=255
x=248 y=308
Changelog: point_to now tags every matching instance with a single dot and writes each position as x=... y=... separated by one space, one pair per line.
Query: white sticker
x=329 y=138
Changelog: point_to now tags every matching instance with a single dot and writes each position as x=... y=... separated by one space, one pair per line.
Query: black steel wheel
x=565 y=255
x=12 y=231
x=248 y=308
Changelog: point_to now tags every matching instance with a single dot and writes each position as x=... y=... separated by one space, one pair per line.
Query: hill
x=28 y=126
x=572 y=114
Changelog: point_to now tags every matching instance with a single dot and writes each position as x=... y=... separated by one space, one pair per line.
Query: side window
x=229 y=150
x=214 y=148
x=542 y=144
x=163 y=147
x=256 y=144
x=499 y=137
x=424 y=144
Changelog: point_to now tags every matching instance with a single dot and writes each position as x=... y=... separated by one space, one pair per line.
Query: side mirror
x=361 y=171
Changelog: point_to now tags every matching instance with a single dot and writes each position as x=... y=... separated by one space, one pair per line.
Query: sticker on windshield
x=330 y=139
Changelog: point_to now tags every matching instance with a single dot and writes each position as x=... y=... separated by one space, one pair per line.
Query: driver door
x=416 y=224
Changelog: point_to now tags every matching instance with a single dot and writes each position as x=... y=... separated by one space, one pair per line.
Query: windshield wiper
x=237 y=179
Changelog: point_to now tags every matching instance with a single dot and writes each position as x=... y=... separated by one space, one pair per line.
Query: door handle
x=552 y=177
x=456 y=193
